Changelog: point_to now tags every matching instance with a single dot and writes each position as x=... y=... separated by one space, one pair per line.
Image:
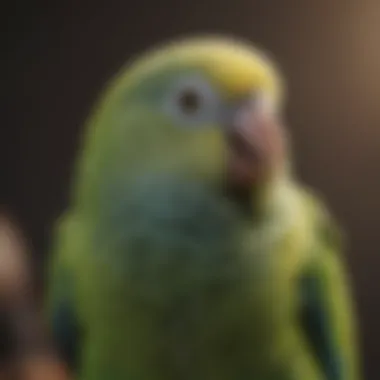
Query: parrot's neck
x=258 y=202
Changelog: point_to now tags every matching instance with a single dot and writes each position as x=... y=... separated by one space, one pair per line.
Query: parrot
x=189 y=248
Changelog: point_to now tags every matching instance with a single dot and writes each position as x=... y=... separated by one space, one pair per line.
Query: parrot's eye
x=189 y=101
x=193 y=101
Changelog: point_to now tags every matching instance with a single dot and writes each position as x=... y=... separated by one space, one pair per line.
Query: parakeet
x=189 y=249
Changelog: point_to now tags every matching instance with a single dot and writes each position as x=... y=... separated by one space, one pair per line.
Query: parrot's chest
x=192 y=312
x=195 y=293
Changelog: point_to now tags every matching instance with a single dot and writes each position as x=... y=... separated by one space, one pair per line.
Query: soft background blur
x=57 y=55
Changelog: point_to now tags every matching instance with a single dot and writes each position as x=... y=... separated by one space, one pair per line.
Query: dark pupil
x=189 y=101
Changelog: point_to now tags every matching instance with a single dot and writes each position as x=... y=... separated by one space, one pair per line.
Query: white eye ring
x=193 y=100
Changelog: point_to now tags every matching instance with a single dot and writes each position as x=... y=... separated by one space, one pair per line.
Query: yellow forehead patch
x=235 y=67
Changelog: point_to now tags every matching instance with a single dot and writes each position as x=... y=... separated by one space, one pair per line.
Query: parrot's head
x=206 y=109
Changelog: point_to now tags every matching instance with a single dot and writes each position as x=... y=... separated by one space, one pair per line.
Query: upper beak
x=254 y=142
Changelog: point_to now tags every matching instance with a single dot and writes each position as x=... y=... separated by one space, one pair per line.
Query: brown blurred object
x=42 y=368
x=15 y=278
x=27 y=349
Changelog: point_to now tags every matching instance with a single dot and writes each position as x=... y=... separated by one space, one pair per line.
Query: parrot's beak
x=254 y=145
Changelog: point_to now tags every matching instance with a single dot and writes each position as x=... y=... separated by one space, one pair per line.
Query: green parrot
x=189 y=250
